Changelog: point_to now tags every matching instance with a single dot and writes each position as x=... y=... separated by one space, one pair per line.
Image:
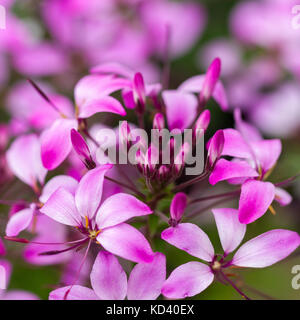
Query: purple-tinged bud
x=139 y=93
x=215 y=148
x=211 y=78
x=163 y=173
x=151 y=160
x=82 y=149
x=179 y=161
x=178 y=206
x=159 y=121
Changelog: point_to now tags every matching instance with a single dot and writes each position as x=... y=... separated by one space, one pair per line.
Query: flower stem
x=234 y=286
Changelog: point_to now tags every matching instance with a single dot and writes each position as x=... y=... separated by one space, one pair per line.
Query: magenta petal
x=76 y=293
x=2 y=248
x=103 y=104
x=89 y=191
x=178 y=206
x=267 y=249
x=139 y=87
x=108 y=278
x=211 y=78
x=282 y=197
x=55 y=183
x=187 y=280
x=215 y=148
x=231 y=231
x=256 y=197
x=235 y=145
x=80 y=146
x=61 y=207
x=219 y=94
x=56 y=143
x=113 y=68
x=181 y=108
x=225 y=170
x=190 y=238
x=24 y=159
x=119 y=208
x=146 y=279
x=19 y=222
x=267 y=153
x=127 y=242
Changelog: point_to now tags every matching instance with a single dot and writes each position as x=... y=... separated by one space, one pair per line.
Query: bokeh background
x=259 y=49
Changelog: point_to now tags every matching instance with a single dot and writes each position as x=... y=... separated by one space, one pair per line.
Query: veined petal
x=89 y=191
x=187 y=280
x=231 y=231
x=119 y=208
x=127 y=242
x=190 y=238
x=56 y=142
x=56 y=182
x=24 y=159
x=76 y=293
x=256 y=197
x=181 y=108
x=225 y=170
x=146 y=279
x=19 y=222
x=282 y=197
x=267 y=249
x=108 y=278
x=61 y=207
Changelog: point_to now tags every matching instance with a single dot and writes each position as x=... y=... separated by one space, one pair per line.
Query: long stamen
x=234 y=286
x=23 y=240
x=44 y=96
x=54 y=252
x=79 y=270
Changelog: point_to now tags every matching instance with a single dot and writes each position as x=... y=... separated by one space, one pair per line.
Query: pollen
x=216 y=265
x=272 y=210
x=94 y=233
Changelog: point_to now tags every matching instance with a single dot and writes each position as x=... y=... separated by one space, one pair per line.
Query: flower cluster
x=85 y=214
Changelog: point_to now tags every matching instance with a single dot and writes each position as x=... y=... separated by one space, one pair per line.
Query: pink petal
x=24 y=159
x=19 y=222
x=103 y=104
x=267 y=249
x=249 y=132
x=56 y=143
x=68 y=183
x=178 y=205
x=267 y=153
x=2 y=278
x=76 y=293
x=203 y=120
x=89 y=191
x=61 y=207
x=225 y=170
x=119 y=208
x=255 y=199
x=195 y=84
x=283 y=197
x=211 y=78
x=108 y=278
x=5 y=273
x=216 y=145
x=190 y=238
x=127 y=242
x=19 y=295
x=235 y=144
x=113 y=68
x=181 y=108
x=187 y=280
x=80 y=146
x=231 y=231
x=139 y=87
x=146 y=279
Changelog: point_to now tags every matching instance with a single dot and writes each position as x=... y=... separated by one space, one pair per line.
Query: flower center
x=216 y=266
x=93 y=233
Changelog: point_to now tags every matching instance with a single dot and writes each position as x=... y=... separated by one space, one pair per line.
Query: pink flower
x=104 y=224
x=109 y=281
x=193 y=277
x=254 y=159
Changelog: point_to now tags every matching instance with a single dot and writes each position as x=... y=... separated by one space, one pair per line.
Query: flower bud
x=215 y=148
x=178 y=206
x=159 y=121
